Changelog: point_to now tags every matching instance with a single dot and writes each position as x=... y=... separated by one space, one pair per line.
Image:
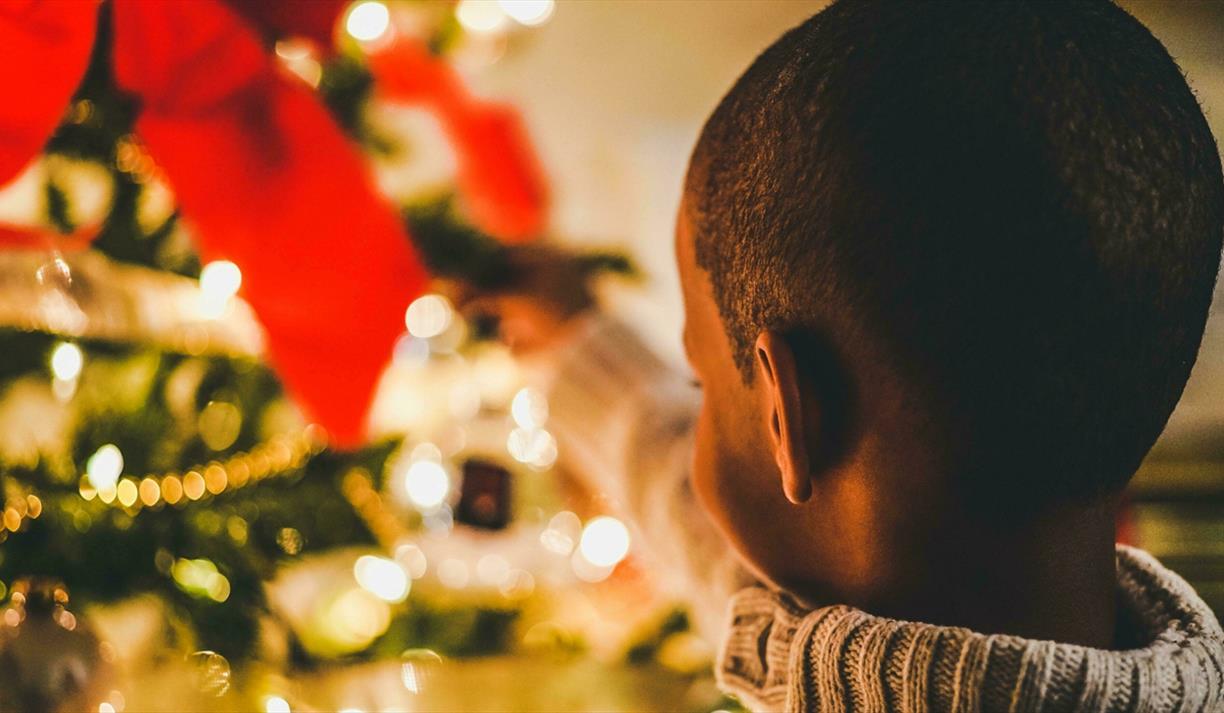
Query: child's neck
x=1053 y=578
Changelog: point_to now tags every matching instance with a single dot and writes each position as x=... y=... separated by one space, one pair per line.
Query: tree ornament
x=49 y=659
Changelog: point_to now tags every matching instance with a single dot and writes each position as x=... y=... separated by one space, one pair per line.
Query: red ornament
x=500 y=179
x=44 y=47
x=264 y=176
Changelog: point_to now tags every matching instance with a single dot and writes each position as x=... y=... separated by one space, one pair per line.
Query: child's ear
x=776 y=366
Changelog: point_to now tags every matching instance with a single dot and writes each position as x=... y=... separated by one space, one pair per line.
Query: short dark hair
x=1019 y=206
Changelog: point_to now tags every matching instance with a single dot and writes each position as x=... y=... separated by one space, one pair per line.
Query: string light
x=428 y=316
x=193 y=485
x=427 y=484
x=484 y=16
x=276 y=457
x=219 y=282
x=104 y=467
x=200 y=578
x=562 y=533
x=150 y=492
x=528 y=12
x=17 y=509
x=67 y=361
x=221 y=278
x=368 y=21
x=126 y=492
x=529 y=408
x=605 y=541
x=412 y=559
x=357 y=487
x=382 y=577
x=533 y=446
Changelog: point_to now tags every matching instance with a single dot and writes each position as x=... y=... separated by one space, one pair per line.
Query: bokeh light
x=428 y=316
x=368 y=21
x=104 y=467
x=67 y=361
x=528 y=12
x=210 y=672
x=562 y=533
x=382 y=577
x=605 y=541
x=529 y=408
x=219 y=282
x=427 y=484
x=482 y=16
x=417 y=666
x=412 y=559
x=220 y=278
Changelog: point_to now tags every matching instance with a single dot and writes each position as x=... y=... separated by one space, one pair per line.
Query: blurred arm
x=624 y=423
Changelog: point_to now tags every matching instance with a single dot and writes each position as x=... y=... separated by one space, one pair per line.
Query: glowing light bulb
x=276 y=704
x=367 y=21
x=562 y=534
x=529 y=408
x=426 y=484
x=104 y=467
x=412 y=559
x=382 y=577
x=534 y=446
x=219 y=282
x=127 y=492
x=480 y=15
x=428 y=316
x=528 y=12
x=605 y=541
x=66 y=361
x=221 y=278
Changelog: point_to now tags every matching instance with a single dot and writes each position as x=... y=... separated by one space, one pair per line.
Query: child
x=946 y=268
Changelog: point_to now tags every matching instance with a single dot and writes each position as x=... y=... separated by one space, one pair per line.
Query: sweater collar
x=779 y=655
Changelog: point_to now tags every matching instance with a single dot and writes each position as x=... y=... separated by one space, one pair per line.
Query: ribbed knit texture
x=778 y=656
x=624 y=423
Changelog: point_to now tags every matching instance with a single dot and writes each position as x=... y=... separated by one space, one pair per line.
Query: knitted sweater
x=624 y=422
x=778 y=656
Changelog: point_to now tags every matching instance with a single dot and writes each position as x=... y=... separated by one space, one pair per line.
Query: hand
x=546 y=288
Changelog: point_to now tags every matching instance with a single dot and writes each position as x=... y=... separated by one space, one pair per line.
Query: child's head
x=941 y=260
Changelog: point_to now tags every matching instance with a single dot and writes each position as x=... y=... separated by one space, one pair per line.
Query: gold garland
x=87 y=294
x=274 y=458
x=358 y=489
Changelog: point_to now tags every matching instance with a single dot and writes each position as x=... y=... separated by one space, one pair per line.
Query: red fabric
x=23 y=238
x=264 y=176
x=44 y=48
x=267 y=180
x=500 y=179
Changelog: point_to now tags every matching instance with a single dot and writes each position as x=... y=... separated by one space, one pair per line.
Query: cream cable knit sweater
x=624 y=421
x=779 y=657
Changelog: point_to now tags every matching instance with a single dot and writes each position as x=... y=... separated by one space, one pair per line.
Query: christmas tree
x=202 y=290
